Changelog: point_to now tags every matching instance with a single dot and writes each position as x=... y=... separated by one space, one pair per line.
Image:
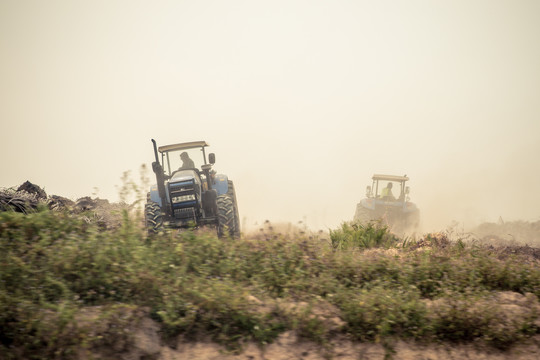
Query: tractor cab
x=186 y=156
x=388 y=188
x=387 y=200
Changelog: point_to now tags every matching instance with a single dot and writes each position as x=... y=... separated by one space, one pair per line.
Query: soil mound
x=29 y=197
x=145 y=343
x=30 y=188
x=513 y=233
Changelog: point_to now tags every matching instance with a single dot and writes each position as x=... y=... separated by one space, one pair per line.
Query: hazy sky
x=302 y=101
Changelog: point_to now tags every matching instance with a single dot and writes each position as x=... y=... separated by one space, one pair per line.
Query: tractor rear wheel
x=152 y=217
x=413 y=221
x=226 y=223
x=232 y=194
x=362 y=215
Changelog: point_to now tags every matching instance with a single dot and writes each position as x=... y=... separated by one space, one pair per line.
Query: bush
x=355 y=235
x=379 y=312
x=55 y=269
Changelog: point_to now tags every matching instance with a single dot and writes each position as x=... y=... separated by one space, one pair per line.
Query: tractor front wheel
x=152 y=217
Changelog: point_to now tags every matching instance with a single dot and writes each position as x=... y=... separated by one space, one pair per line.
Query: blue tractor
x=380 y=204
x=188 y=192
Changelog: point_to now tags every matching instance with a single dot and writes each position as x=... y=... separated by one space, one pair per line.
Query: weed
x=65 y=285
x=361 y=236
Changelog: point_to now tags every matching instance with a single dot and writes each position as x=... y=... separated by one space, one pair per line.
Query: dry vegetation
x=512 y=233
x=84 y=284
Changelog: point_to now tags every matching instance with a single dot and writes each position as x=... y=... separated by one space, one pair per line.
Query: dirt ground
x=288 y=347
x=145 y=343
x=512 y=233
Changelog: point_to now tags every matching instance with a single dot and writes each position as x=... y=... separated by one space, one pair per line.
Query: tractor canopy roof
x=182 y=146
x=390 y=177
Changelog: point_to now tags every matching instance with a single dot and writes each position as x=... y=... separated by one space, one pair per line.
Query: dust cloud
x=301 y=101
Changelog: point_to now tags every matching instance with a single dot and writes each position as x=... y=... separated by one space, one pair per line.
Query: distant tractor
x=188 y=193
x=380 y=204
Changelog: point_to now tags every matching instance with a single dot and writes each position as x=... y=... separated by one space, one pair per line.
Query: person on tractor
x=187 y=163
x=386 y=193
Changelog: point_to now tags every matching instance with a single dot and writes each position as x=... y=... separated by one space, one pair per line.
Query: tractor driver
x=387 y=192
x=187 y=163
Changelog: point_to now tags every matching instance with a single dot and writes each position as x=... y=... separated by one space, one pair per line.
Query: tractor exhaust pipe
x=155 y=150
x=160 y=177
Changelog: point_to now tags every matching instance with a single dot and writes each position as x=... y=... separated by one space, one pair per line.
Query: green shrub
x=355 y=235
x=215 y=307
x=476 y=315
x=372 y=314
x=56 y=268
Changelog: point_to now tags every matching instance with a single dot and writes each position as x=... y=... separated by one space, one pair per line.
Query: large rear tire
x=232 y=193
x=152 y=217
x=413 y=221
x=226 y=223
x=362 y=215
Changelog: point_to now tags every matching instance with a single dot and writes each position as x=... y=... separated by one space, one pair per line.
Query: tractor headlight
x=183 y=198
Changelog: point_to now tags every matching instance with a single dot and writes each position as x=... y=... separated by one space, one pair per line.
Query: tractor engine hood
x=184 y=191
x=179 y=185
x=184 y=184
x=183 y=175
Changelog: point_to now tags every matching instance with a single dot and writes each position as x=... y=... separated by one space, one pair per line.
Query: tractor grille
x=184 y=199
x=185 y=213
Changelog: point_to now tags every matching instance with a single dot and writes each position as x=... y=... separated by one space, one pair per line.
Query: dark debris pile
x=29 y=197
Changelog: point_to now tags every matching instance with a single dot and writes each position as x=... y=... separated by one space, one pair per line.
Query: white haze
x=302 y=101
